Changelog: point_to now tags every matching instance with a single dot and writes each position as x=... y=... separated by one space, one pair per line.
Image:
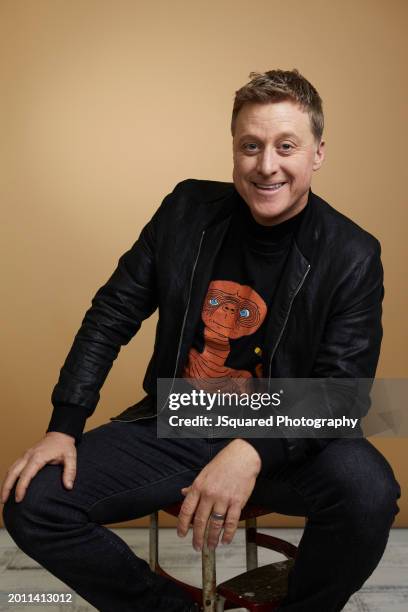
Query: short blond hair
x=276 y=86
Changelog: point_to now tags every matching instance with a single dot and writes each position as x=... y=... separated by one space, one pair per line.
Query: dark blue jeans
x=347 y=492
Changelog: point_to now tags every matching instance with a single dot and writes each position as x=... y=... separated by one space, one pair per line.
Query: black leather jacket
x=326 y=320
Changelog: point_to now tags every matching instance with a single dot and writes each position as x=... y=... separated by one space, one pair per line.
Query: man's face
x=275 y=155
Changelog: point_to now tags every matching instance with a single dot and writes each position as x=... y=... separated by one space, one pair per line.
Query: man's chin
x=266 y=213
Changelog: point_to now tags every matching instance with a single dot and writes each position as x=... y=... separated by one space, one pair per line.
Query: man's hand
x=223 y=486
x=54 y=448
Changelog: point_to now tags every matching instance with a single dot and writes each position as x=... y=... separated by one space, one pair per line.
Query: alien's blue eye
x=244 y=313
x=214 y=302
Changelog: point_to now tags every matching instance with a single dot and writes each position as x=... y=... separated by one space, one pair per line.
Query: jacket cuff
x=68 y=419
x=272 y=452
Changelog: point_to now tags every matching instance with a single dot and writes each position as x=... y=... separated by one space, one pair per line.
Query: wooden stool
x=260 y=589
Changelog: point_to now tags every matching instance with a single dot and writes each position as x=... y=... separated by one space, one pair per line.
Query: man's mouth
x=269 y=186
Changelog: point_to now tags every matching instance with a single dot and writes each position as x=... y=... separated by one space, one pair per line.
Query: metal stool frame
x=215 y=598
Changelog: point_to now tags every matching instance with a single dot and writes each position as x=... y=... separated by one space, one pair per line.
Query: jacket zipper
x=181 y=334
x=291 y=449
x=187 y=307
x=298 y=288
x=185 y=314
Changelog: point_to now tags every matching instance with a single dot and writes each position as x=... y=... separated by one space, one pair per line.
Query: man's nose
x=268 y=161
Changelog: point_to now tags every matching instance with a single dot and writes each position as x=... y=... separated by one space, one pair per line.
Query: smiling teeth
x=270 y=187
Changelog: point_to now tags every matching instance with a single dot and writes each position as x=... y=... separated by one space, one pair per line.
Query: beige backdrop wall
x=105 y=105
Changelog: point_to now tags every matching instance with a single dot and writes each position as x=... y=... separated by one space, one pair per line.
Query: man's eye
x=214 y=302
x=250 y=146
x=286 y=146
x=244 y=313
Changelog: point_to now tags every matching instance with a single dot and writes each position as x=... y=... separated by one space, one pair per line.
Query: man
x=256 y=278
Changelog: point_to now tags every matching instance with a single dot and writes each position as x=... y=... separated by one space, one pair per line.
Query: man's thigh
x=123 y=472
x=347 y=471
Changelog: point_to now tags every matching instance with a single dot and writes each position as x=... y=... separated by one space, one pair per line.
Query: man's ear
x=319 y=155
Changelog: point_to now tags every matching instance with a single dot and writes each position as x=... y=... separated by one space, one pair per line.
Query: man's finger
x=11 y=478
x=215 y=527
x=69 y=470
x=26 y=476
x=200 y=522
x=186 y=512
x=231 y=524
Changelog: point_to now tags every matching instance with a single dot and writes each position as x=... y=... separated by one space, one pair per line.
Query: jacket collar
x=306 y=236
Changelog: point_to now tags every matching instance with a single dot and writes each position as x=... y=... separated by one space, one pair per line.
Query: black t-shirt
x=230 y=335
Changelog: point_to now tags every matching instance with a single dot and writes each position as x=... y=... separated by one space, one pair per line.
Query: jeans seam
x=154 y=482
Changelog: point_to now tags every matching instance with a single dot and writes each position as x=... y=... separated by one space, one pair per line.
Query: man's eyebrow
x=280 y=135
x=288 y=134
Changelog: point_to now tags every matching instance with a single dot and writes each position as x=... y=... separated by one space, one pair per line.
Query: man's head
x=277 y=126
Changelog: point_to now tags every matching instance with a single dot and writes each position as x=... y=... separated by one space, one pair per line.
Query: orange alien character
x=230 y=311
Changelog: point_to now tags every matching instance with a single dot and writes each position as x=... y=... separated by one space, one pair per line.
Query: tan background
x=107 y=104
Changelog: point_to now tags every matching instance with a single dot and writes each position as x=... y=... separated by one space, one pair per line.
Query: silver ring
x=217 y=516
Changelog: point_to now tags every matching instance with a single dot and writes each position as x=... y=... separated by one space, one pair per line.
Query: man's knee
x=38 y=512
x=17 y=516
x=368 y=488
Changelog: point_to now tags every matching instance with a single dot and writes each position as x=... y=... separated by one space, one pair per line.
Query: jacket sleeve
x=117 y=311
x=349 y=349
x=272 y=451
